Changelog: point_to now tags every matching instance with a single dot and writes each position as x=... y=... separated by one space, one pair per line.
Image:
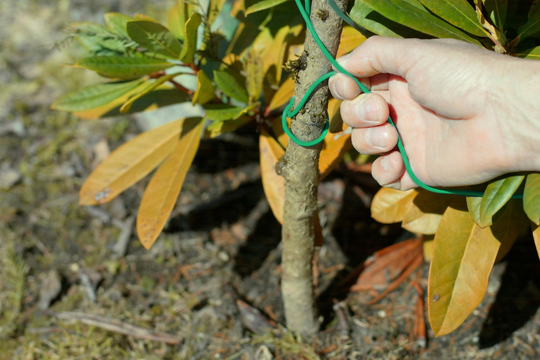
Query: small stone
x=8 y=176
x=50 y=289
x=223 y=256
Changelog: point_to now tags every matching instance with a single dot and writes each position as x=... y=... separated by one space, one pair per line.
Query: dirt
x=218 y=260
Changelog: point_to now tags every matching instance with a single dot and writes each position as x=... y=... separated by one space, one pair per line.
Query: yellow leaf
x=390 y=206
x=428 y=247
x=335 y=146
x=350 y=39
x=275 y=53
x=161 y=193
x=512 y=223
x=425 y=213
x=205 y=90
x=254 y=75
x=334 y=114
x=536 y=236
x=283 y=95
x=144 y=17
x=129 y=163
x=463 y=255
x=273 y=184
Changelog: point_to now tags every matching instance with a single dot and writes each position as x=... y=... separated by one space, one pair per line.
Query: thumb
x=379 y=55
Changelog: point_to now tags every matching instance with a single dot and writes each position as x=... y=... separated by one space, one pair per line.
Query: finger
x=343 y=87
x=388 y=170
x=379 y=55
x=365 y=111
x=379 y=82
x=374 y=140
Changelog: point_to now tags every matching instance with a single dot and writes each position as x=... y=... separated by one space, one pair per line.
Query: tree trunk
x=299 y=167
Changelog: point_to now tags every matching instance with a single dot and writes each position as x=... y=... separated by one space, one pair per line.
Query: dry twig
x=120 y=327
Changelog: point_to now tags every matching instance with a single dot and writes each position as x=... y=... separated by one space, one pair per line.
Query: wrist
x=521 y=115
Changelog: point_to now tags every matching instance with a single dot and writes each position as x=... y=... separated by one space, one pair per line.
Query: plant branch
x=299 y=167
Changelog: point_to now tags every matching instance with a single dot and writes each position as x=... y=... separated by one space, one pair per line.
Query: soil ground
x=219 y=257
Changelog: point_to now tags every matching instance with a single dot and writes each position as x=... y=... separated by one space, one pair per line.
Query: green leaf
x=122 y=67
x=496 y=196
x=263 y=5
x=177 y=17
x=214 y=8
x=102 y=46
x=372 y=21
x=254 y=74
x=217 y=128
x=531 y=198
x=91 y=97
x=458 y=13
x=154 y=100
x=473 y=205
x=533 y=54
x=223 y=112
x=205 y=89
x=118 y=23
x=408 y=15
x=232 y=84
x=496 y=10
x=532 y=26
x=154 y=37
x=417 y=3
x=150 y=87
x=190 y=39
x=91 y=28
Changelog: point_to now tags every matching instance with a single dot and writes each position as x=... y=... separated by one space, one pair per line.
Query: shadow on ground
x=518 y=298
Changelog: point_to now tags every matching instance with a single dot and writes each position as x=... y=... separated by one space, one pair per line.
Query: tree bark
x=299 y=167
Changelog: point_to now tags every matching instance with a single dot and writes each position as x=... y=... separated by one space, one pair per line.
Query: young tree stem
x=299 y=167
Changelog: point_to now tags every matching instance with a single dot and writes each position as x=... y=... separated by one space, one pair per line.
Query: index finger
x=381 y=55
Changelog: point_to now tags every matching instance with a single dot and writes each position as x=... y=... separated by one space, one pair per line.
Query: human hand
x=457 y=108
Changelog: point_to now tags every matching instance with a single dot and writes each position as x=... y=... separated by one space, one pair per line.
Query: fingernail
x=367 y=109
x=338 y=90
x=377 y=137
x=343 y=60
x=385 y=163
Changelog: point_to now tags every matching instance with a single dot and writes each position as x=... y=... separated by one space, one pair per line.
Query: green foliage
x=458 y=13
x=232 y=84
x=531 y=198
x=117 y=23
x=402 y=12
x=223 y=112
x=496 y=195
x=12 y=284
x=263 y=5
x=121 y=67
x=190 y=39
x=532 y=26
x=93 y=96
x=496 y=10
x=155 y=38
